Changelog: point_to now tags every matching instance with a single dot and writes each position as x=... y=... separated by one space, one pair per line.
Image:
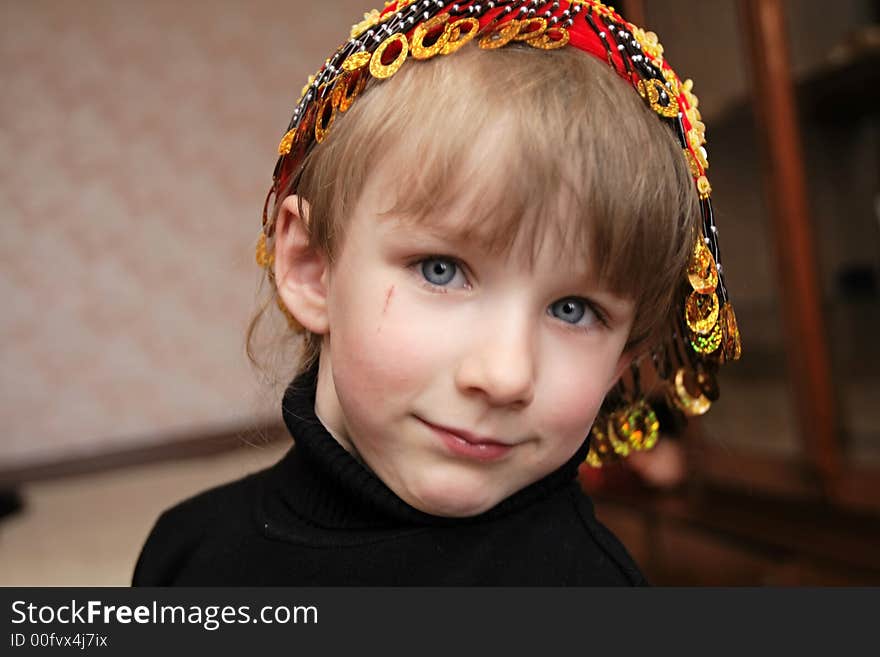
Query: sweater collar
x=326 y=486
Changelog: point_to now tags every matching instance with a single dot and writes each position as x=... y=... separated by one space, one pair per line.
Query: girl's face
x=456 y=375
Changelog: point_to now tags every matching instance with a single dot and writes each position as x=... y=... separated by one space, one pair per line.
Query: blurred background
x=137 y=142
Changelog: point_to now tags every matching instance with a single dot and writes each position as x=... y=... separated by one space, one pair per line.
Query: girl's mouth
x=469 y=445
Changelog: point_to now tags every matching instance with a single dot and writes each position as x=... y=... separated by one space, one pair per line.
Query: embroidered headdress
x=705 y=333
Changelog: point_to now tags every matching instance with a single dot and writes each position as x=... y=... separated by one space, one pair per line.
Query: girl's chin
x=461 y=504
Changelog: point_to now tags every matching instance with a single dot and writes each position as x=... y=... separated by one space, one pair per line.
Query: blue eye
x=439 y=271
x=570 y=309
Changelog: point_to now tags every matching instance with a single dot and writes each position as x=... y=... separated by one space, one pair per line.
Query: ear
x=301 y=270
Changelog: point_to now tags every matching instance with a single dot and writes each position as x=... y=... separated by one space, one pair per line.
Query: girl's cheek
x=401 y=341
x=573 y=399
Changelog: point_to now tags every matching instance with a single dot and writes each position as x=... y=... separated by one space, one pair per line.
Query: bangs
x=539 y=147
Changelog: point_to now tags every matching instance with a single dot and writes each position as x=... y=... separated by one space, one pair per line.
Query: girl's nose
x=499 y=364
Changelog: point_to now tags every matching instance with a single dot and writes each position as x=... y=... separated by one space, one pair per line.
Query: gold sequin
x=671 y=81
x=551 y=39
x=708 y=384
x=351 y=85
x=499 y=37
x=417 y=47
x=457 y=37
x=701 y=270
x=338 y=90
x=687 y=90
x=264 y=258
x=685 y=401
x=306 y=86
x=701 y=312
x=606 y=11
x=371 y=18
x=620 y=447
x=593 y=459
x=326 y=114
x=653 y=89
x=637 y=424
x=700 y=128
x=703 y=187
x=697 y=147
x=380 y=70
x=286 y=142
x=531 y=28
x=696 y=138
x=706 y=344
x=306 y=124
x=356 y=61
x=732 y=339
x=650 y=44
x=600 y=450
x=696 y=172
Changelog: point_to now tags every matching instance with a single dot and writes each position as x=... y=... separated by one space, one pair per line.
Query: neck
x=329 y=413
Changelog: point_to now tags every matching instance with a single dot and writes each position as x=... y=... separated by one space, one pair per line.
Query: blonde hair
x=547 y=141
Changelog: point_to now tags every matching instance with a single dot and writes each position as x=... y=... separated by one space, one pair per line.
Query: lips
x=469 y=445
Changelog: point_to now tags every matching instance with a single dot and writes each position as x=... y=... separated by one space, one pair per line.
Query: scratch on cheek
x=388 y=299
x=385 y=308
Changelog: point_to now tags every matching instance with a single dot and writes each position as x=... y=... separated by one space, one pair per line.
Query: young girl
x=479 y=247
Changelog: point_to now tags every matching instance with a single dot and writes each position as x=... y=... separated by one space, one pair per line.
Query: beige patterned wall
x=137 y=141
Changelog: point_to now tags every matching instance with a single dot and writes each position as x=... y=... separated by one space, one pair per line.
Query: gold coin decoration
x=356 y=61
x=703 y=187
x=701 y=312
x=671 y=81
x=653 y=88
x=264 y=258
x=620 y=447
x=637 y=424
x=325 y=117
x=701 y=270
x=600 y=451
x=417 y=47
x=306 y=86
x=551 y=39
x=684 y=400
x=338 y=91
x=650 y=44
x=458 y=36
x=351 y=85
x=692 y=163
x=380 y=70
x=700 y=128
x=371 y=18
x=286 y=142
x=306 y=124
x=732 y=340
x=708 y=384
x=708 y=343
x=531 y=28
x=500 y=37
x=687 y=90
x=693 y=139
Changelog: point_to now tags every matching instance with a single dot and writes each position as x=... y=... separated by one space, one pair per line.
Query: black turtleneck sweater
x=320 y=517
